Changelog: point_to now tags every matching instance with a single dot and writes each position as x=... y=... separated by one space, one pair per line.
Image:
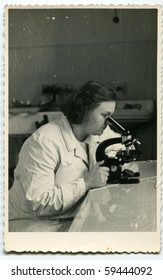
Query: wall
x=72 y=46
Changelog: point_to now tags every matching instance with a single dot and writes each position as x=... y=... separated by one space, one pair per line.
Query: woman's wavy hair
x=86 y=98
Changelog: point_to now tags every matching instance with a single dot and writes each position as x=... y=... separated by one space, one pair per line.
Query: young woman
x=57 y=165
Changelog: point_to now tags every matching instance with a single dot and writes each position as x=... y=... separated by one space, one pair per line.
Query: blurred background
x=54 y=51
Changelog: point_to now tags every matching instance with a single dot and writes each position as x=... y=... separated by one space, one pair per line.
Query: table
x=121 y=207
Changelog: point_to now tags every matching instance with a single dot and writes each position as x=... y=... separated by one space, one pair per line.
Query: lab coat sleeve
x=38 y=162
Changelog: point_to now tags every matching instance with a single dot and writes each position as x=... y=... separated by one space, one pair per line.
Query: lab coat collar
x=81 y=153
x=73 y=144
x=69 y=137
x=67 y=133
x=70 y=140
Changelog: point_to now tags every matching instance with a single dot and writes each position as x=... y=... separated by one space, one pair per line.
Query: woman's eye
x=106 y=116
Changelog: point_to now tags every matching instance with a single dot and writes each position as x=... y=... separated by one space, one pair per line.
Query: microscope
x=117 y=173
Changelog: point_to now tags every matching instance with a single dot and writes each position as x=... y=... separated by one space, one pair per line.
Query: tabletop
x=121 y=207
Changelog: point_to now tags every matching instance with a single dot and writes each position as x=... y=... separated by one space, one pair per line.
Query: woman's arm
x=38 y=162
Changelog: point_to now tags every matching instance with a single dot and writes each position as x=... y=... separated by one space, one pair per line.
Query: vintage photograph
x=82 y=129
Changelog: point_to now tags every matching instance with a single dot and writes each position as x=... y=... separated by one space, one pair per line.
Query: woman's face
x=95 y=121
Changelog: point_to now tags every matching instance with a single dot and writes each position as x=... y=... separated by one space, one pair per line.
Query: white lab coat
x=49 y=186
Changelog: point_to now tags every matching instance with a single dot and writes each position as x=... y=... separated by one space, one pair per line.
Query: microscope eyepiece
x=116 y=125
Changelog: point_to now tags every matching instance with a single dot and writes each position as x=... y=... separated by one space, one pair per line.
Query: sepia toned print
x=82 y=129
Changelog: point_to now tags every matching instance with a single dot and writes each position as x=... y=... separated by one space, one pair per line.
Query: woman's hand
x=97 y=176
